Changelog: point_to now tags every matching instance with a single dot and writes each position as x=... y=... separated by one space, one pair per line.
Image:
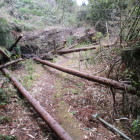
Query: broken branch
x=96 y=116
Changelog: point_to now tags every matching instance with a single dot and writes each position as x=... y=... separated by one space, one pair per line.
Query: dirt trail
x=69 y=100
x=47 y=90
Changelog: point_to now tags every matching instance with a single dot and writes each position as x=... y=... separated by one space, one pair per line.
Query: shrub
x=6 y=38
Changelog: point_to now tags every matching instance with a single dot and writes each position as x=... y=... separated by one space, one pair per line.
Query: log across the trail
x=39 y=109
x=75 y=50
x=10 y=63
x=81 y=49
x=102 y=80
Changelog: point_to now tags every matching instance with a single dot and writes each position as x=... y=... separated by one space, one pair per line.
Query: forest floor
x=70 y=100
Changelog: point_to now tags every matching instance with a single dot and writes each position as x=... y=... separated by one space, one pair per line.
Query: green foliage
x=70 y=40
x=131 y=32
x=3 y=97
x=5 y=119
x=66 y=10
x=2 y=4
x=33 y=14
x=26 y=1
x=82 y=15
x=30 y=75
x=24 y=10
x=98 y=36
x=131 y=58
x=136 y=125
x=6 y=38
x=101 y=10
x=4 y=137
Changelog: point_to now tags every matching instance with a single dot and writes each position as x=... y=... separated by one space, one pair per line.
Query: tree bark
x=61 y=133
x=101 y=80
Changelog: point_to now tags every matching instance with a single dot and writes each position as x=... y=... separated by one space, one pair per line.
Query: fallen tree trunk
x=39 y=109
x=102 y=80
x=81 y=49
x=75 y=50
x=10 y=63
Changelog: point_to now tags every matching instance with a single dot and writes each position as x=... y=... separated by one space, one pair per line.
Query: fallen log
x=14 y=45
x=38 y=108
x=10 y=63
x=75 y=50
x=81 y=49
x=101 y=80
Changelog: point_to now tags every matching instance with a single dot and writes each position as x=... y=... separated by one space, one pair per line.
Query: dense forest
x=70 y=71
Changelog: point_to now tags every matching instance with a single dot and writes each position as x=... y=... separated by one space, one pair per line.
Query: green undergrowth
x=34 y=14
x=6 y=38
x=6 y=137
x=81 y=45
x=31 y=73
x=4 y=97
x=5 y=119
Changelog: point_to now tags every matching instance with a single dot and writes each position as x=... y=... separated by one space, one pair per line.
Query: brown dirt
x=70 y=100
